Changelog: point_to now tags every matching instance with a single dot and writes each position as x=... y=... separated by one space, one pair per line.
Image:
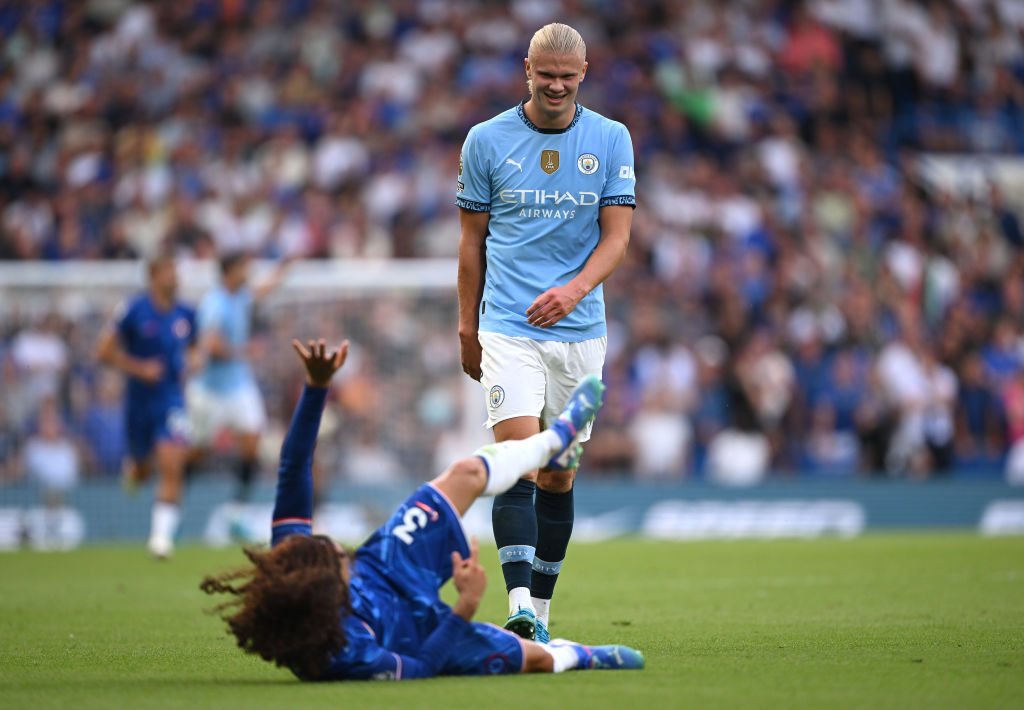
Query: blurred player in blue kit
x=329 y=613
x=546 y=192
x=225 y=395
x=151 y=340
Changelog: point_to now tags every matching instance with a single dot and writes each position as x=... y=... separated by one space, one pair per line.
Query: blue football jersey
x=230 y=314
x=544 y=190
x=147 y=332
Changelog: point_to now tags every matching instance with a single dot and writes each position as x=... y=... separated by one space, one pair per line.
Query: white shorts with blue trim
x=523 y=377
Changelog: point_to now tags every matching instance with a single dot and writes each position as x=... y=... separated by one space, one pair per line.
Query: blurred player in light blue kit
x=328 y=613
x=546 y=194
x=151 y=340
x=225 y=396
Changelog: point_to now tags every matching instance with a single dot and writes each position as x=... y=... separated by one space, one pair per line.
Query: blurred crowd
x=796 y=297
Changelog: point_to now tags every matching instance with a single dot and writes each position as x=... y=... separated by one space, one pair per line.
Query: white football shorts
x=523 y=377
x=240 y=411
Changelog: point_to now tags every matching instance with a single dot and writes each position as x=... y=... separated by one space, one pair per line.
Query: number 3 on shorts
x=413 y=520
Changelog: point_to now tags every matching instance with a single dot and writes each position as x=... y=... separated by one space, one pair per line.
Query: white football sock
x=519 y=598
x=508 y=461
x=164 y=520
x=565 y=657
x=542 y=607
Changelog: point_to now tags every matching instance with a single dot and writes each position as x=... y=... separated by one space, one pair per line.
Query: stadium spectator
x=51 y=458
x=102 y=426
x=40 y=356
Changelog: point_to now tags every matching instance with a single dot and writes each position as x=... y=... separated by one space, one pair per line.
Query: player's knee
x=555 y=481
x=537 y=659
x=470 y=473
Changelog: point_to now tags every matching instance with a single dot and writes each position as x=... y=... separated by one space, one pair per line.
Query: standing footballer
x=151 y=340
x=546 y=194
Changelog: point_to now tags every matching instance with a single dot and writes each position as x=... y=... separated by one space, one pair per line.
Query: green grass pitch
x=909 y=621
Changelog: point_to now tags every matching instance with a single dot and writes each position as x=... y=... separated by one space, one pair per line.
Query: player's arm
x=193 y=352
x=217 y=346
x=273 y=280
x=472 y=268
x=556 y=303
x=375 y=662
x=110 y=352
x=293 y=504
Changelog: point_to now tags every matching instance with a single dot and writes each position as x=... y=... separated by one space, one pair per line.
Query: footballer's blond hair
x=556 y=38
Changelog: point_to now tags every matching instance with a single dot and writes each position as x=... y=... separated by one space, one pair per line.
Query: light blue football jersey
x=230 y=314
x=543 y=189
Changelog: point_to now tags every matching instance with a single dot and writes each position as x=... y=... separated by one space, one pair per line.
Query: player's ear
x=583 y=71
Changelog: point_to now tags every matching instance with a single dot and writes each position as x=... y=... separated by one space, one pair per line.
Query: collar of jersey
x=532 y=126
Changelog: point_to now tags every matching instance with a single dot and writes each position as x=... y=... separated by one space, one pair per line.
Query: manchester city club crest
x=588 y=164
x=497 y=396
x=549 y=161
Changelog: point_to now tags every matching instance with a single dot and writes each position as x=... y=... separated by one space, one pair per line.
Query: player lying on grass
x=328 y=613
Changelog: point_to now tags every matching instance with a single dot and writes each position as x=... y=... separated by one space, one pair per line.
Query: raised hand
x=320 y=362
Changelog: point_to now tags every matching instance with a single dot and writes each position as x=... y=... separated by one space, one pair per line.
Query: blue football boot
x=611 y=657
x=584 y=403
x=523 y=624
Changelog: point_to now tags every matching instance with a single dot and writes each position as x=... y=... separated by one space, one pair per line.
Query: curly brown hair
x=288 y=608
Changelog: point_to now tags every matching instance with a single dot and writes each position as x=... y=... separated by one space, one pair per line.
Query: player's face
x=237 y=275
x=555 y=81
x=165 y=278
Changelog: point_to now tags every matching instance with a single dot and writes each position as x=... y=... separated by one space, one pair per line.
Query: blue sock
x=554 y=528
x=515 y=532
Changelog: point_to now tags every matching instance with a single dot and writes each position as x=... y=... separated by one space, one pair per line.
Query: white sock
x=565 y=657
x=519 y=598
x=164 y=520
x=542 y=607
x=508 y=461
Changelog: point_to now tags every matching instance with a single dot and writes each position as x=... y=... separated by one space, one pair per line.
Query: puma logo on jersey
x=509 y=161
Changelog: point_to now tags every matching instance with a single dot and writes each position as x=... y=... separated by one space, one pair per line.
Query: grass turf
x=910 y=621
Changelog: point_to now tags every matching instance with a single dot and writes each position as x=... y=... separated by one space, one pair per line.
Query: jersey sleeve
x=293 y=504
x=364 y=659
x=474 y=189
x=620 y=180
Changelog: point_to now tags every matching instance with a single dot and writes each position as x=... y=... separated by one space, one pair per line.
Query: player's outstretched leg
x=569 y=655
x=507 y=461
x=583 y=405
x=610 y=657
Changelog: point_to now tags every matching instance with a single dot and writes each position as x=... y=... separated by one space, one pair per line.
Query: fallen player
x=328 y=613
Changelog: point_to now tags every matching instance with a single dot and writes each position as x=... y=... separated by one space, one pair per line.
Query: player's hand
x=472 y=353
x=470 y=581
x=320 y=362
x=553 y=305
x=150 y=371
